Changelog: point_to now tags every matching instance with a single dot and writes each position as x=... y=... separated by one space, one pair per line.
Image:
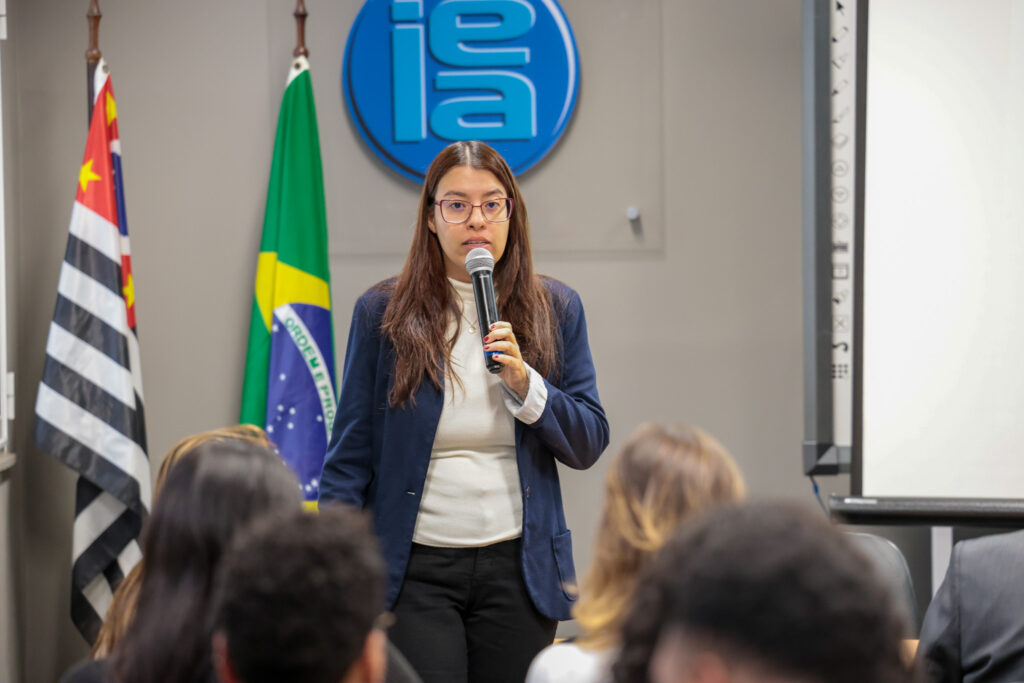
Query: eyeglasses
x=495 y=210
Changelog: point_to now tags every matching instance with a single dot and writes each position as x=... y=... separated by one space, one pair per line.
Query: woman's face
x=474 y=186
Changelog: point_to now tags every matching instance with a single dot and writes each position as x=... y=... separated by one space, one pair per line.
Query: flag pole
x=300 y=25
x=296 y=408
x=93 y=54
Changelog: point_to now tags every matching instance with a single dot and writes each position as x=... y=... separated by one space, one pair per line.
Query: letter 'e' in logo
x=420 y=74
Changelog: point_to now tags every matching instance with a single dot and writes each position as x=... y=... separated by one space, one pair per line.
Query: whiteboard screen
x=943 y=307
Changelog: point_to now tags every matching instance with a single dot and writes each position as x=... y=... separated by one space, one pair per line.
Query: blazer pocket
x=561 y=545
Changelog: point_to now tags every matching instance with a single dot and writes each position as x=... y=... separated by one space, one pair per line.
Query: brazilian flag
x=290 y=385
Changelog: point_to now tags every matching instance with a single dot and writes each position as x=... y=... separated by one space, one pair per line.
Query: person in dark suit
x=973 y=630
x=458 y=465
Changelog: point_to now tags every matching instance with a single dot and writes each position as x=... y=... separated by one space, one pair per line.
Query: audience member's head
x=122 y=608
x=761 y=593
x=664 y=475
x=297 y=598
x=210 y=494
x=245 y=433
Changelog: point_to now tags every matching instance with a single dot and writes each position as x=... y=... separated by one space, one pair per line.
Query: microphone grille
x=479 y=259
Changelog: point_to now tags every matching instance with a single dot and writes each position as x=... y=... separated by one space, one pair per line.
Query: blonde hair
x=121 y=612
x=663 y=476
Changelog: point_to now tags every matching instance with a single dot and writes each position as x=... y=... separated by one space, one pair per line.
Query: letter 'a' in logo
x=420 y=74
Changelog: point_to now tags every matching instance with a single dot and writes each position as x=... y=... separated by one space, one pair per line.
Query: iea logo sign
x=420 y=74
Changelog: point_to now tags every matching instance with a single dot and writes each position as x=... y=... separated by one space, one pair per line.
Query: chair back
x=892 y=567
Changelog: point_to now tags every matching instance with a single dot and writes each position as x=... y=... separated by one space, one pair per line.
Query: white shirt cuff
x=531 y=408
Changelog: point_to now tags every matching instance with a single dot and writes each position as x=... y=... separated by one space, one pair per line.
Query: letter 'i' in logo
x=419 y=74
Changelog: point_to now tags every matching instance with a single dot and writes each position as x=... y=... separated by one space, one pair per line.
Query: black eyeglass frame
x=511 y=203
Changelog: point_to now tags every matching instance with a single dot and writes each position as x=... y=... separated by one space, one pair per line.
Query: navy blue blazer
x=378 y=454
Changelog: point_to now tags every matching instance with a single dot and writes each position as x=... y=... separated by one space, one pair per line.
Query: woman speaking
x=457 y=464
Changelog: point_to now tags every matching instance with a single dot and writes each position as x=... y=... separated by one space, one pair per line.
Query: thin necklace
x=462 y=312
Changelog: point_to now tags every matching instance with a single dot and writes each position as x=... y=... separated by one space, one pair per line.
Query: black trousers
x=464 y=616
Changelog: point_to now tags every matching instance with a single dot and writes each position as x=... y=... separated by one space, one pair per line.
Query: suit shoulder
x=993 y=549
x=564 y=298
x=557 y=287
x=375 y=299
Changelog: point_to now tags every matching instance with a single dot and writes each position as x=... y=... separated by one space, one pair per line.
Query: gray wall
x=697 y=321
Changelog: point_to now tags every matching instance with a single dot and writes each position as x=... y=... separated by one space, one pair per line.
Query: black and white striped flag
x=89 y=407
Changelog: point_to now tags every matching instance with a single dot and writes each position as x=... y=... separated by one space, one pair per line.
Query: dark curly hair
x=774 y=588
x=297 y=596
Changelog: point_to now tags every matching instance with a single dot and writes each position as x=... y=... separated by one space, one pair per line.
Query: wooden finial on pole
x=93 y=54
x=300 y=25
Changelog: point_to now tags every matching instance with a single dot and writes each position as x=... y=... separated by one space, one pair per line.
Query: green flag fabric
x=290 y=387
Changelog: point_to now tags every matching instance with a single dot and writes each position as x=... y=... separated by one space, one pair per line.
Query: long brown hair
x=417 y=316
x=663 y=476
x=212 y=493
x=121 y=612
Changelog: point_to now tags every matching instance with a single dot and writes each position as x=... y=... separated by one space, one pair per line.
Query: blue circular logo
x=420 y=74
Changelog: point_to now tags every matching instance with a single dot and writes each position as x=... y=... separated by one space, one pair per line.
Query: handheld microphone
x=480 y=265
